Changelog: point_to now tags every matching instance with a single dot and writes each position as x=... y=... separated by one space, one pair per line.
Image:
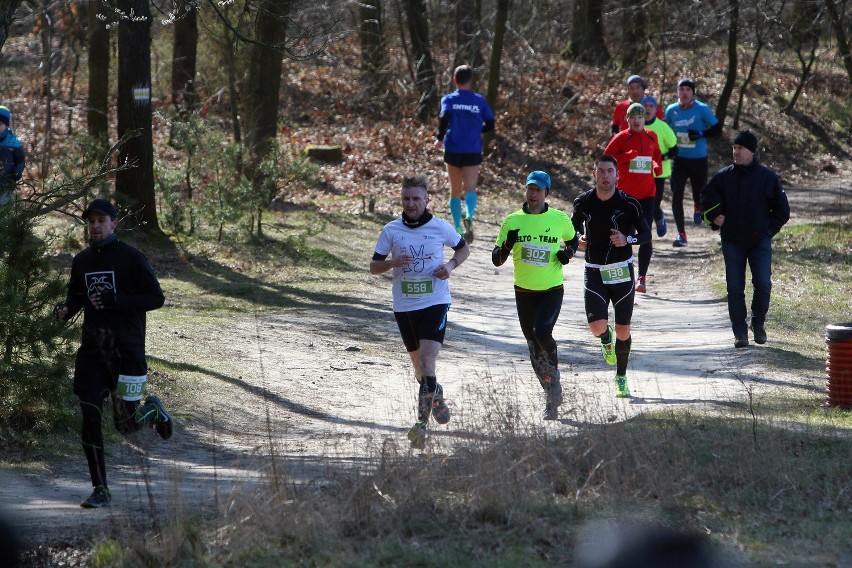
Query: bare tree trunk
x=47 y=86
x=806 y=34
x=404 y=42
x=839 y=33
x=263 y=92
x=184 y=50
x=467 y=34
x=136 y=184
x=500 y=20
x=7 y=12
x=418 y=29
x=97 y=117
x=731 y=74
x=587 y=35
x=803 y=77
x=634 y=34
x=373 y=55
x=746 y=82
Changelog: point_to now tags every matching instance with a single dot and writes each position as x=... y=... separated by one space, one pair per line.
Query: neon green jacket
x=534 y=254
x=667 y=140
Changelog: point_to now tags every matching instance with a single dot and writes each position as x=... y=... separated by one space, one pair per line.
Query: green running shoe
x=608 y=349
x=417 y=435
x=621 y=390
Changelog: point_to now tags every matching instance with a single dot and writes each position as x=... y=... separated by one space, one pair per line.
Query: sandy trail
x=324 y=389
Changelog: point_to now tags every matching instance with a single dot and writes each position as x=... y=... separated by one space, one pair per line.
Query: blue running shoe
x=661 y=226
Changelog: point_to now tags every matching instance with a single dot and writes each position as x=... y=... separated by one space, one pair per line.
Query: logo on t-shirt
x=100 y=282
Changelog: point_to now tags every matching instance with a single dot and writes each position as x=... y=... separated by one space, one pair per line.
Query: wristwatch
x=631 y=240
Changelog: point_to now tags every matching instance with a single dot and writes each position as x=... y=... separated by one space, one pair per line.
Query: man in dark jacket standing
x=746 y=202
x=115 y=286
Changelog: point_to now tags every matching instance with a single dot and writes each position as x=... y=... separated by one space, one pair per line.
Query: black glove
x=694 y=134
x=511 y=239
x=615 y=129
x=564 y=256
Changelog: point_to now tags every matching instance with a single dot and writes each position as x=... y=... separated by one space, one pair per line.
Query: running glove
x=564 y=255
x=694 y=134
x=511 y=239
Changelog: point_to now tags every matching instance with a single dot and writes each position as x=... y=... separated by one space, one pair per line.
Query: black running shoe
x=163 y=422
x=100 y=497
x=440 y=410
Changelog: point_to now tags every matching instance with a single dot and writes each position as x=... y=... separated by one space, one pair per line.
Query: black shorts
x=429 y=323
x=462 y=160
x=598 y=296
x=96 y=370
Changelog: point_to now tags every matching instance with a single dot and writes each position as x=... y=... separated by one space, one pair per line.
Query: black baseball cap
x=101 y=206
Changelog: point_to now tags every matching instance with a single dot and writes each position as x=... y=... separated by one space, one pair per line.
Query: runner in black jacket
x=114 y=285
x=610 y=222
x=747 y=203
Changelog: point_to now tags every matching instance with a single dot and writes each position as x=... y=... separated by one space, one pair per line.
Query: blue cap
x=636 y=79
x=539 y=178
x=649 y=99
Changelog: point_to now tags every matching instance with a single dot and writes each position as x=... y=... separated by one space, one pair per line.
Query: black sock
x=431 y=383
x=605 y=337
x=622 y=353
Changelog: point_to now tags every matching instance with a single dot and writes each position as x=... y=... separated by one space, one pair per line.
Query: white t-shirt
x=414 y=286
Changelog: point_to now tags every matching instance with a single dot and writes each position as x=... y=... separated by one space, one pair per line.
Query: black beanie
x=687 y=83
x=747 y=140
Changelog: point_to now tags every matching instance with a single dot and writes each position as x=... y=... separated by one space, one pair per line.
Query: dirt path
x=323 y=390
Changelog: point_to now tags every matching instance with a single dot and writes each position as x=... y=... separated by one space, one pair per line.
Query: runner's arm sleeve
x=503 y=251
x=443 y=124
x=573 y=243
x=713 y=131
x=75 y=299
x=643 y=231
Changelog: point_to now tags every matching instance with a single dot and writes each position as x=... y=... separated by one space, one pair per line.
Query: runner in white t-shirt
x=421 y=293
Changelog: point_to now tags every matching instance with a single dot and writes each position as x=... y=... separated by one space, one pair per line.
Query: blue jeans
x=759 y=258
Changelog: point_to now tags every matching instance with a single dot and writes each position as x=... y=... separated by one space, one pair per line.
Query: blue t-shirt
x=468 y=112
x=697 y=117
